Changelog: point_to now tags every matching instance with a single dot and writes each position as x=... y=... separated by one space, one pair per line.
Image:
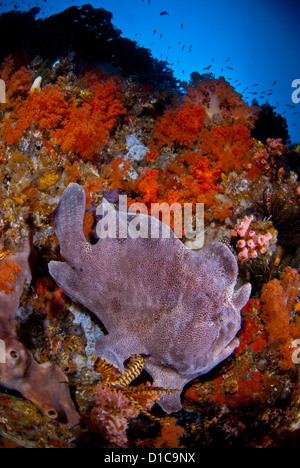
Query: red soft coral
x=18 y=86
x=279 y=299
x=191 y=175
x=180 y=125
x=119 y=173
x=190 y=178
x=207 y=104
x=223 y=105
x=46 y=109
x=83 y=129
x=88 y=126
x=148 y=186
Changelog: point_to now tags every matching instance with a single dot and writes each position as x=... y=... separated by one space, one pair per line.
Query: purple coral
x=154 y=296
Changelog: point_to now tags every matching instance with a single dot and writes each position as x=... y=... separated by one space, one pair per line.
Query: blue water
x=253 y=42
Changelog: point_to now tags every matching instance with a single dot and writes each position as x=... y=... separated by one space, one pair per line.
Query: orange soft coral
x=192 y=175
x=205 y=172
x=230 y=146
x=47 y=109
x=148 y=186
x=169 y=436
x=279 y=298
x=180 y=125
x=118 y=173
x=88 y=126
x=190 y=178
x=72 y=171
x=18 y=86
x=18 y=78
x=212 y=115
x=223 y=105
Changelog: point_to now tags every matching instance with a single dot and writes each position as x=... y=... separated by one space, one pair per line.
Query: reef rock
x=43 y=384
x=154 y=296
